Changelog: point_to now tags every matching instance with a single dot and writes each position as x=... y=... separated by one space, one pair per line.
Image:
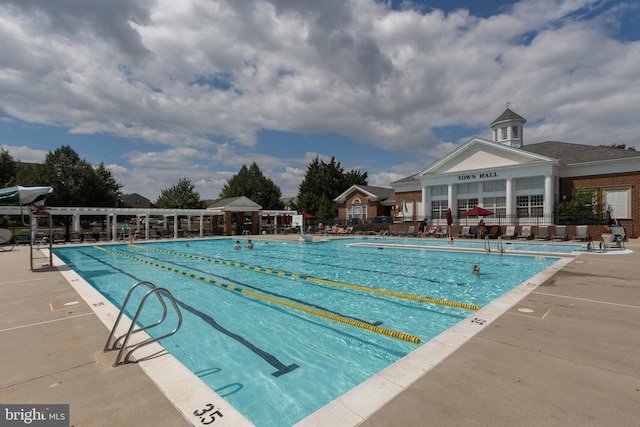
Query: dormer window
x=504 y=133
x=514 y=131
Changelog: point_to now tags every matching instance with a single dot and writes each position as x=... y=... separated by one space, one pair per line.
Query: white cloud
x=205 y=76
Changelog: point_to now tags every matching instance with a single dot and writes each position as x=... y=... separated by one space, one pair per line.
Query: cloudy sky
x=164 y=89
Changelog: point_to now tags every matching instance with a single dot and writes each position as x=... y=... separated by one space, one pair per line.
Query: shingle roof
x=381 y=193
x=508 y=115
x=569 y=153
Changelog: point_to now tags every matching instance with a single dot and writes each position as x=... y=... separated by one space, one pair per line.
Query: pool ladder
x=487 y=244
x=122 y=342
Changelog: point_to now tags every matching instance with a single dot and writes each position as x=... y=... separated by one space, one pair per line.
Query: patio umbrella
x=449 y=218
x=478 y=211
x=19 y=196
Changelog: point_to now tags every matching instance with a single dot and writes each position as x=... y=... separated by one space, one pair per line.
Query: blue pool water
x=283 y=329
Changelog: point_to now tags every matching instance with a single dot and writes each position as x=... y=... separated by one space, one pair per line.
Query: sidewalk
x=567 y=355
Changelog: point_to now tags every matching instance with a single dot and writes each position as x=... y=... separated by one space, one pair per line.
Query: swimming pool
x=323 y=325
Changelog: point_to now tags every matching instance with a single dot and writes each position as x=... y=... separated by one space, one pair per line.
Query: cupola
x=507 y=129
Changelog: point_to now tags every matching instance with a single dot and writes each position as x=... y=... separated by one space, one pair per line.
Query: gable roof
x=373 y=193
x=477 y=153
x=235 y=204
x=570 y=154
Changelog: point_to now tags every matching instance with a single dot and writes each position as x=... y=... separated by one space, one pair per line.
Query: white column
x=511 y=201
x=76 y=223
x=452 y=199
x=426 y=202
x=547 y=207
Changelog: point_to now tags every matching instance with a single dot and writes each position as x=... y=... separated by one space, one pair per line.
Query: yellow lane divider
x=377 y=329
x=317 y=280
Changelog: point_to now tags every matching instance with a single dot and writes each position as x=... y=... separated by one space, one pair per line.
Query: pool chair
x=431 y=231
x=525 y=233
x=22 y=239
x=582 y=233
x=465 y=232
x=559 y=232
x=74 y=237
x=542 y=233
x=58 y=238
x=494 y=232
x=510 y=232
x=88 y=237
x=103 y=236
x=441 y=232
x=6 y=244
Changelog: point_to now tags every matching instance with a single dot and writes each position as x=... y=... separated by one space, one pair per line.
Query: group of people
x=249 y=245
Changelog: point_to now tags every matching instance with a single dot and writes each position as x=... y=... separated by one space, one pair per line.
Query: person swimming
x=475 y=269
x=237 y=245
x=249 y=244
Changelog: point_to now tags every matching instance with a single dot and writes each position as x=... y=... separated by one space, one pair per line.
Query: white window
x=529 y=206
x=530 y=182
x=514 y=132
x=468 y=188
x=357 y=210
x=496 y=204
x=618 y=200
x=439 y=190
x=465 y=205
x=504 y=133
x=497 y=185
x=439 y=209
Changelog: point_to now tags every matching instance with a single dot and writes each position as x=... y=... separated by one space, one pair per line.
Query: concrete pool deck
x=566 y=354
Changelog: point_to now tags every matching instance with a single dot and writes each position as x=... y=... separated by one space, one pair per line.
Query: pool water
x=285 y=328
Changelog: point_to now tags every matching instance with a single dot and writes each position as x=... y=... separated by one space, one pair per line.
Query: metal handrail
x=499 y=245
x=109 y=346
x=487 y=244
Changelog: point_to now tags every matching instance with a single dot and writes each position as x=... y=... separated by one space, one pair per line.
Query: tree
x=180 y=196
x=8 y=169
x=112 y=188
x=75 y=182
x=322 y=183
x=251 y=183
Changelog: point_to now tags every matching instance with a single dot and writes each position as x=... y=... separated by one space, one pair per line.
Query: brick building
x=521 y=183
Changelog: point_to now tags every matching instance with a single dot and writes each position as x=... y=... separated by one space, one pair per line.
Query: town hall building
x=521 y=183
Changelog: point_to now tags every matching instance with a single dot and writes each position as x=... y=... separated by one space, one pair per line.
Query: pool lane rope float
x=373 y=328
x=455 y=304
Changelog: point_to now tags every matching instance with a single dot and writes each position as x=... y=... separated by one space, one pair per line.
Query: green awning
x=21 y=196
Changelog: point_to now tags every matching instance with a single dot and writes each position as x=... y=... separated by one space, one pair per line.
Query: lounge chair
x=542 y=233
x=559 y=232
x=582 y=233
x=74 y=237
x=525 y=233
x=494 y=232
x=88 y=237
x=103 y=236
x=465 y=232
x=22 y=239
x=431 y=231
x=411 y=231
x=510 y=233
x=58 y=238
x=441 y=232
x=6 y=240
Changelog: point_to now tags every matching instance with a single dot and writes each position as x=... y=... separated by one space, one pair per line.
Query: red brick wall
x=609 y=180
